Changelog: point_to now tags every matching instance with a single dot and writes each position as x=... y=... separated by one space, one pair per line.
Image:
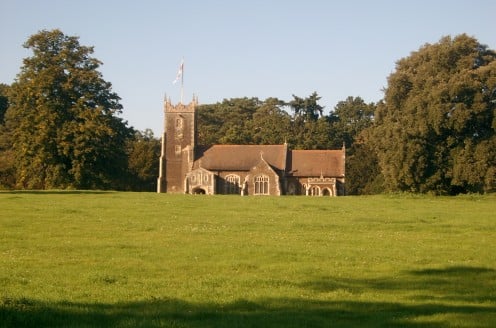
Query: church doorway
x=326 y=192
x=198 y=191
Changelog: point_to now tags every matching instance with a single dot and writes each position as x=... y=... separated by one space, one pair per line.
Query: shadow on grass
x=453 y=271
x=56 y=192
x=266 y=313
x=454 y=284
x=286 y=312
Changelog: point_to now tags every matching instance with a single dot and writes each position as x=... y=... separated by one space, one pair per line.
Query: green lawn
x=89 y=259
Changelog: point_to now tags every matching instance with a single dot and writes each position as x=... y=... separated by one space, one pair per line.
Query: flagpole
x=182 y=82
x=180 y=73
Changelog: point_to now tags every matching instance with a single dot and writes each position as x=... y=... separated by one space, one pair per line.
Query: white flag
x=179 y=72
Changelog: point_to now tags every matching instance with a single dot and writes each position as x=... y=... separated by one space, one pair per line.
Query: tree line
x=434 y=131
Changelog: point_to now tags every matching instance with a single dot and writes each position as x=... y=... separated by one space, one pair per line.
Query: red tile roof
x=242 y=157
x=299 y=163
x=313 y=163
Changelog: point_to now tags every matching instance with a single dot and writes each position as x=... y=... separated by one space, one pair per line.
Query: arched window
x=231 y=185
x=261 y=185
x=315 y=191
x=179 y=123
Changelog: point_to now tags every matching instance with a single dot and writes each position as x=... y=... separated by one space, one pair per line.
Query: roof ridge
x=316 y=150
x=229 y=145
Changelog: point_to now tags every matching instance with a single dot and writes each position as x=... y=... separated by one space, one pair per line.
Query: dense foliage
x=7 y=172
x=143 y=161
x=62 y=124
x=253 y=121
x=435 y=130
x=4 y=100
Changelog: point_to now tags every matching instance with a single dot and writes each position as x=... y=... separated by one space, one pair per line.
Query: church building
x=241 y=169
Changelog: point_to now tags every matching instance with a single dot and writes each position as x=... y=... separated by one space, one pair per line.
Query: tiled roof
x=313 y=163
x=241 y=157
x=300 y=163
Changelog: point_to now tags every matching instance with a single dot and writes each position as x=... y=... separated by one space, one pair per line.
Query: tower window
x=179 y=123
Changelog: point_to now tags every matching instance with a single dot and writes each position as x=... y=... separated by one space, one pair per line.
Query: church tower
x=178 y=146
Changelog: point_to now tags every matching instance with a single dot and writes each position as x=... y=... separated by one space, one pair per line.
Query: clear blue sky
x=252 y=48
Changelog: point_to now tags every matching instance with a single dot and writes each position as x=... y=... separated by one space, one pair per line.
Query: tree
x=435 y=131
x=307 y=108
x=349 y=118
x=310 y=128
x=7 y=174
x=270 y=123
x=4 y=101
x=363 y=174
x=62 y=119
x=143 y=161
x=311 y=134
x=227 y=122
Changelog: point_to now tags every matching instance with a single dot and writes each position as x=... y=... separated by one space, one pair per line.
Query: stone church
x=241 y=169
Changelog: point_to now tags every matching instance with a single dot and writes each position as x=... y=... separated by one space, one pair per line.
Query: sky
x=251 y=48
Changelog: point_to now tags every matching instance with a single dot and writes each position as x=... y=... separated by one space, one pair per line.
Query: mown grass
x=86 y=259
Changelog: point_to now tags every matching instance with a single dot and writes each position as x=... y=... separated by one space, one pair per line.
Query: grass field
x=86 y=259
